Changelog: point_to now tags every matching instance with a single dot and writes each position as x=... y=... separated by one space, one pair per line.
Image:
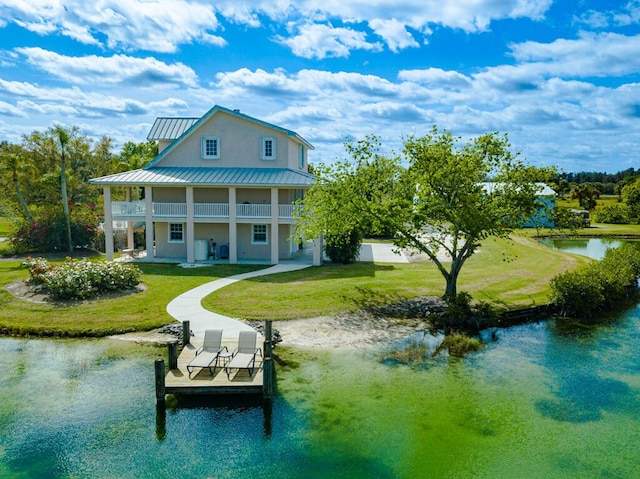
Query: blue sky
x=562 y=77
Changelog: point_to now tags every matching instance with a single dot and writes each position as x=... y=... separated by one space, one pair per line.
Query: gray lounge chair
x=207 y=355
x=244 y=356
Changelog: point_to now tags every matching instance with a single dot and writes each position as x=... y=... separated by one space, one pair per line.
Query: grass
x=135 y=312
x=5 y=226
x=510 y=273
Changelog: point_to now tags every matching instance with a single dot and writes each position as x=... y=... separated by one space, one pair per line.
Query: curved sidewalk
x=187 y=306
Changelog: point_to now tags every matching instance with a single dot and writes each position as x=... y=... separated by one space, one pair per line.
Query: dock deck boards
x=177 y=381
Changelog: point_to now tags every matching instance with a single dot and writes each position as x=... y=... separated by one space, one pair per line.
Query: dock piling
x=160 y=386
x=186 y=333
x=267 y=362
x=173 y=355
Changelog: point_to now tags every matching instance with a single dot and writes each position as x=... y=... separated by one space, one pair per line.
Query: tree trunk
x=23 y=202
x=65 y=201
x=451 y=288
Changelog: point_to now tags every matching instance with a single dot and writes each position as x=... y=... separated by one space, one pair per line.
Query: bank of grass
x=135 y=312
x=509 y=273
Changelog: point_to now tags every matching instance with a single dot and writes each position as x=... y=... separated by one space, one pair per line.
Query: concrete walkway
x=187 y=306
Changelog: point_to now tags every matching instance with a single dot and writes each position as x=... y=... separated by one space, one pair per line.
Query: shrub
x=37 y=267
x=80 y=279
x=458 y=344
x=617 y=214
x=343 y=248
x=598 y=286
x=48 y=231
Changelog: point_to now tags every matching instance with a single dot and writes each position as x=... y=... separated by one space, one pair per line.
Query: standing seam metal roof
x=166 y=128
x=186 y=176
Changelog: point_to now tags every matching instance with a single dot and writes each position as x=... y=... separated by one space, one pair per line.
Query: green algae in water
x=542 y=401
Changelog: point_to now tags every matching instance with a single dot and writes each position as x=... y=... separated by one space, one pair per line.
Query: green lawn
x=509 y=273
x=135 y=312
x=5 y=229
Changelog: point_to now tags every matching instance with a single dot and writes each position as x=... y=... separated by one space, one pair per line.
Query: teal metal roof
x=165 y=128
x=195 y=176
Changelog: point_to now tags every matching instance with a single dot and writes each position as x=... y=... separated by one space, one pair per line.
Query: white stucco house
x=225 y=178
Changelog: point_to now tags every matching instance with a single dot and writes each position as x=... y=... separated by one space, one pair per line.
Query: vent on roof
x=236 y=110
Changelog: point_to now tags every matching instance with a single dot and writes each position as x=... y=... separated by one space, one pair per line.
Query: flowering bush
x=80 y=279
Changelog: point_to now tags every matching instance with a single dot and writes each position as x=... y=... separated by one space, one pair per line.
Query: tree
x=11 y=156
x=436 y=196
x=63 y=137
x=631 y=197
x=586 y=194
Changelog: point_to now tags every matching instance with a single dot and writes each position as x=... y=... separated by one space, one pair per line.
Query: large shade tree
x=441 y=195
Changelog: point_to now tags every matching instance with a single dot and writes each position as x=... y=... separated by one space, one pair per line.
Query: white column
x=233 y=228
x=190 y=239
x=130 y=239
x=148 y=218
x=108 y=224
x=275 y=233
x=317 y=252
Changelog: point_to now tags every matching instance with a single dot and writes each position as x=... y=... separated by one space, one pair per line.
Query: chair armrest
x=258 y=350
x=199 y=350
x=234 y=352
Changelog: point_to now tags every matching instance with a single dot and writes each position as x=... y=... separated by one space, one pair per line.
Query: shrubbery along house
x=225 y=183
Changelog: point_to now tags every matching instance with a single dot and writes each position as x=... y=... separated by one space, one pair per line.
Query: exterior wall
x=210 y=195
x=162 y=145
x=293 y=156
x=239 y=145
x=164 y=249
x=169 y=195
x=246 y=250
x=286 y=197
x=219 y=233
x=253 y=195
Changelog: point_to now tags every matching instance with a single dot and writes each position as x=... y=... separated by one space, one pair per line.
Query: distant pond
x=591 y=247
x=551 y=399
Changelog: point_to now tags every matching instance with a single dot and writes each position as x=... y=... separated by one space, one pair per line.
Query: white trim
x=266 y=234
x=301 y=157
x=215 y=155
x=265 y=147
x=169 y=240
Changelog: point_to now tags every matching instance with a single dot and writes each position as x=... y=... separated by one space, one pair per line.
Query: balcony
x=123 y=210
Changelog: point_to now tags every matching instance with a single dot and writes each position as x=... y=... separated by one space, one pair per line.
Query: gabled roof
x=217 y=108
x=165 y=128
x=197 y=176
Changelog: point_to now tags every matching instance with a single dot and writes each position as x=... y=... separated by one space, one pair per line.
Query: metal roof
x=195 y=176
x=166 y=128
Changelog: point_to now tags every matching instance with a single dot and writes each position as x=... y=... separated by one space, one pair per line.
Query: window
x=210 y=147
x=268 y=148
x=259 y=234
x=301 y=157
x=176 y=233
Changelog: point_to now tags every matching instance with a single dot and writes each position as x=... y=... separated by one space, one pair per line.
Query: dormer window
x=267 y=148
x=210 y=148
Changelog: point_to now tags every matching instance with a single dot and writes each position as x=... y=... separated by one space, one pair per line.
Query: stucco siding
x=239 y=145
x=211 y=195
x=169 y=195
x=164 y=249
x=253 y=195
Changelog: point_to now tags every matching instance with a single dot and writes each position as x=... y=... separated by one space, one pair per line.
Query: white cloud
x=114 y=69
x=603 y=54
x=394 y=34
x=155 y=25
x=321 y=41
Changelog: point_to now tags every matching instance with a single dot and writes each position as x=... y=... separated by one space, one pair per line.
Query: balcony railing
x=121 y=209
x=253 y=211
x=211 y=210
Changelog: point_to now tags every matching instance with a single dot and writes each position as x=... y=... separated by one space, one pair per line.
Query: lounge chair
x=208 y=353
x=244 y=356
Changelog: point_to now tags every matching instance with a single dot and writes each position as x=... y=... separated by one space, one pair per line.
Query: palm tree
x=62 y=136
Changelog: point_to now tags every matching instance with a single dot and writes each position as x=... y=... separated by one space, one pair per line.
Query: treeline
x=606 y=183
x=44 y=185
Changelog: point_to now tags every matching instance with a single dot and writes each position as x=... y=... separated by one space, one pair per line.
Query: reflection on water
x=591 y=247
x=543 y=400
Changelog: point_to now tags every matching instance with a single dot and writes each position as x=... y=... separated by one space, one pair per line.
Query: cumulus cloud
x=114 y=69
x=394 y=33
x=158 y=25
x=320 y=41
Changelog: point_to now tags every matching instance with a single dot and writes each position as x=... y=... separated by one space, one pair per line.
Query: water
x=551 y=399
x=544 y=400
x=591 y=247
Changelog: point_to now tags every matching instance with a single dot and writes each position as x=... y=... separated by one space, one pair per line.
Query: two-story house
x=225 y=178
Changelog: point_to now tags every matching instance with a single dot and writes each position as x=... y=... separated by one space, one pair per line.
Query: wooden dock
x=204 y=381
x=177 y=381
